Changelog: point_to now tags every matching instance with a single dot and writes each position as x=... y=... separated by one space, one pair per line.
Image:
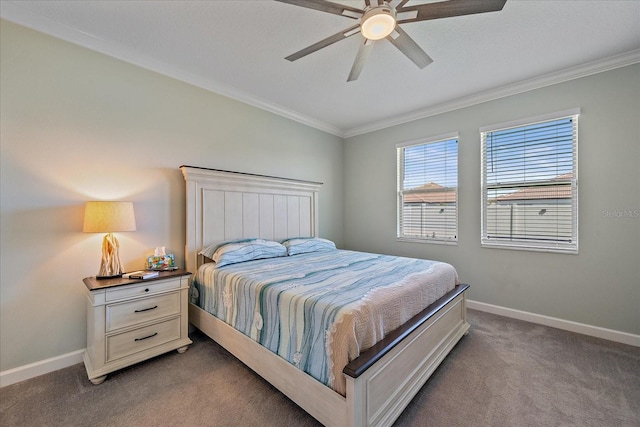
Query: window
x=427 y=190
x=530 y=184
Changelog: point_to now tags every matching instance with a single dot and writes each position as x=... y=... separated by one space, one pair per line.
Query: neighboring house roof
x=430 y=193
x=536 y=193
x=436 y=193
x=542 y=192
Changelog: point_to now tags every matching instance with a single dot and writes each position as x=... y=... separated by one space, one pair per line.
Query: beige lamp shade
x=108 y=217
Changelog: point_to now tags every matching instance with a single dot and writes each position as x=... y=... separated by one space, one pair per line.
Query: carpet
x=506 y=372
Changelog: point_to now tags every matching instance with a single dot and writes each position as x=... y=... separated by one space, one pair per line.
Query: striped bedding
x=320 y=310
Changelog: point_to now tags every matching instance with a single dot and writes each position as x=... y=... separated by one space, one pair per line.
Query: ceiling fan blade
x=363 y=52
x=327 y=6
x=409 y=47
x=324 y=43
x=447 y=9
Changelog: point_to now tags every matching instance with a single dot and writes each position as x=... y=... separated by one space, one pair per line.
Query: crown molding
x=14 y=12
x=584 y=70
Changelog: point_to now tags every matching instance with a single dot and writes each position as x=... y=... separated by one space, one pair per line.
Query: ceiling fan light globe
x=377 y=24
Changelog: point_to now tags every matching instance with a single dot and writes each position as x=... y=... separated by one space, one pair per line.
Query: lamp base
x=110 y=264
x=115 y=276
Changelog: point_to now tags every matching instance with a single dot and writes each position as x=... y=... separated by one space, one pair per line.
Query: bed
x=376 y=386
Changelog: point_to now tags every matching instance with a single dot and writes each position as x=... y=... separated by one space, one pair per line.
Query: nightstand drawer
x=141 y=290
x=142 y=310
x=131 y=342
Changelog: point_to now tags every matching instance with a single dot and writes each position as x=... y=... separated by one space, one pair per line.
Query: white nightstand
x=131 y=320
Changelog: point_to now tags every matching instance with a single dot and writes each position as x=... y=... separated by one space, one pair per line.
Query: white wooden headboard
x=223 y=205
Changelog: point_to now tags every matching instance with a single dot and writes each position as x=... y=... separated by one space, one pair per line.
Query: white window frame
x=531 y=244
x=400 y=150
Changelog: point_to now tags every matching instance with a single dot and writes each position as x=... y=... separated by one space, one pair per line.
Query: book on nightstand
x=142 y=274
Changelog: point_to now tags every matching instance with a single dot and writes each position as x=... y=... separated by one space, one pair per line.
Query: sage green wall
x=78 y=125
x=601 y=285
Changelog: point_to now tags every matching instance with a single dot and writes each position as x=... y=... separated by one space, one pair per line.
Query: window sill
x=519 y=247
x=434 y=241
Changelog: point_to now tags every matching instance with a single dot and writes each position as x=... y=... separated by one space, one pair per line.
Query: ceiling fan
x=381 y=19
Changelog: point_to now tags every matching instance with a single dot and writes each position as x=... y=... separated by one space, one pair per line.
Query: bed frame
x=224 y=205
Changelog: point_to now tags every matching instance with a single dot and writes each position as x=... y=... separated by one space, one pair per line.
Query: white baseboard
x=567 y=325
x=21 y=373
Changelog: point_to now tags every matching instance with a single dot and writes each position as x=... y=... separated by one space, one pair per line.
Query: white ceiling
x=237 y=48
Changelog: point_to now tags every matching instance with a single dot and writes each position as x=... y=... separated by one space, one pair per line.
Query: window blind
x=530 y=186
x=427 y=190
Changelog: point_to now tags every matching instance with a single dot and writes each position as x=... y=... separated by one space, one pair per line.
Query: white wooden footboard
x=379 y=394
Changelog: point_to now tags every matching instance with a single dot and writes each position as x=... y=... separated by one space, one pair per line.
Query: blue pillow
x=303 y=245
x=235 y=251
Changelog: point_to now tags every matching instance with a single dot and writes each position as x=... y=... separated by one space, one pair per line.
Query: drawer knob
x=146 y=309
x=146 y=338
x=146 y=290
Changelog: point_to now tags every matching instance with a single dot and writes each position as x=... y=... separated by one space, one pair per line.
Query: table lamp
x=109 y=217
